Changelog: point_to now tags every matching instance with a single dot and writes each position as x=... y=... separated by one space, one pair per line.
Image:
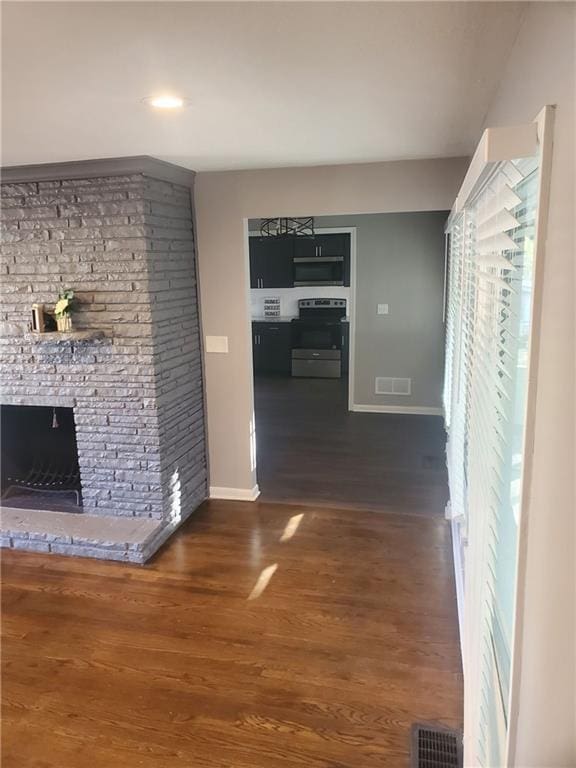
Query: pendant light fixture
x=287 y=227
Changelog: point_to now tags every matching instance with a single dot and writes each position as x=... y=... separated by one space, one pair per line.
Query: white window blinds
x=488 y=319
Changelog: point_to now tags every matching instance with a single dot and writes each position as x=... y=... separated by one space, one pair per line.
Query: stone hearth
x=120 y=234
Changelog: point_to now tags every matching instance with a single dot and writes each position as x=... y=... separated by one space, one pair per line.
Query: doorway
x=285 y=272
x=315 y=443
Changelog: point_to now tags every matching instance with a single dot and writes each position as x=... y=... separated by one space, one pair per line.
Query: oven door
x=314 y=334
x=319 y=270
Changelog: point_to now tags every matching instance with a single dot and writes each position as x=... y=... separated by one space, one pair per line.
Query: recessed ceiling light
x=165 y=101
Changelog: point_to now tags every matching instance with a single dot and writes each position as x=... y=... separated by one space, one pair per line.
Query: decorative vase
x=64 y=322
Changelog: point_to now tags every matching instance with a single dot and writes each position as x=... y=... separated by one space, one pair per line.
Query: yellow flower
x=61 y=306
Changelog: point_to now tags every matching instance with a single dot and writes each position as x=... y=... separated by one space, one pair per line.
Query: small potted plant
x=63 y=310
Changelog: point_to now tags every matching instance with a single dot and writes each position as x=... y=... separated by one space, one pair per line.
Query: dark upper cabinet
x=271 y=262
x=271 y=348
x=279 y=272
x=305 y=247
x=322 y=245
x=256 y=262
x=333 y=245
x=271 y=258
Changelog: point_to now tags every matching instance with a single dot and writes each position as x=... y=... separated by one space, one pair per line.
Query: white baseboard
x=417 y=410
x=234 y=494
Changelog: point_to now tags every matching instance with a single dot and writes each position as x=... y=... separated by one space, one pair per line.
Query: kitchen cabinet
x=322 y=245
x=271 y=258
x=333 y=245
x=305 y=247
x=345 y=348
x=271 y=347
x=271 y=262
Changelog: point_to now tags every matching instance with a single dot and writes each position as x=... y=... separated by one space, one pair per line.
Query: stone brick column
x=124 y=243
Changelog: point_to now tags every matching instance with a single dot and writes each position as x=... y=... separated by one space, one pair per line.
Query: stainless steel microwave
x=318 y=270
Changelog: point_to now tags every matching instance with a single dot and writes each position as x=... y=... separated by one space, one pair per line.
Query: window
x=488 y=330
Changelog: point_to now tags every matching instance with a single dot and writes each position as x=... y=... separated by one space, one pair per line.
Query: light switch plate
x=217 y=344
x=382 y=309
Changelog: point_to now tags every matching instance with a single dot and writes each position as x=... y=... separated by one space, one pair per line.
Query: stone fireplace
x=128 y=377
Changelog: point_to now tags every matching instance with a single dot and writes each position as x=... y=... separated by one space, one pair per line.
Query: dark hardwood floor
x=261 y=636
x=311 y=448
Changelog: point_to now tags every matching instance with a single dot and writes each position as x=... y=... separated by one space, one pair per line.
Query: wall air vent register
x=389 y=385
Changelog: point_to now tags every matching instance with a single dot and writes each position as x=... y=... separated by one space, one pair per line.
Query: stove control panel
x=321 y=303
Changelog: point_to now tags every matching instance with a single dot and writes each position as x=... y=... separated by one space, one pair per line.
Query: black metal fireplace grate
x=43 y=478
x=435 y=747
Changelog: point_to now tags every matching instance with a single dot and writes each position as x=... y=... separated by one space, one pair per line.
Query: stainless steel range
x=317 y=338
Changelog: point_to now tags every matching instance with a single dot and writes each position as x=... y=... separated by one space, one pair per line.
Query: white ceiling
x=271 y=84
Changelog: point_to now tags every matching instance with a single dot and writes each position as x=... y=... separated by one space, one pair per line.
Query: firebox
x=39 y=458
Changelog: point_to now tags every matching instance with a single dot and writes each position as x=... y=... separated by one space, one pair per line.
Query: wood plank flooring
x=311 y=448
x=349 y=636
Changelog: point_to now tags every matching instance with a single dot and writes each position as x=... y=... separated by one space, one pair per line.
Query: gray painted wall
x=400 y=262
x=223 y=202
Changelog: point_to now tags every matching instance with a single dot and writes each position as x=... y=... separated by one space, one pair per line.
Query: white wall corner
x=234 y=494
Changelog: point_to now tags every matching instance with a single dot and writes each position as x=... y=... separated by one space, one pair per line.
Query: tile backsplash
x=289 y=297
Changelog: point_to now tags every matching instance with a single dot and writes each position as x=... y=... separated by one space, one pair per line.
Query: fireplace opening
x=39 y=458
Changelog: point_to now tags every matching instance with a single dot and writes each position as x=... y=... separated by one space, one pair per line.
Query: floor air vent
x=435 y=747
